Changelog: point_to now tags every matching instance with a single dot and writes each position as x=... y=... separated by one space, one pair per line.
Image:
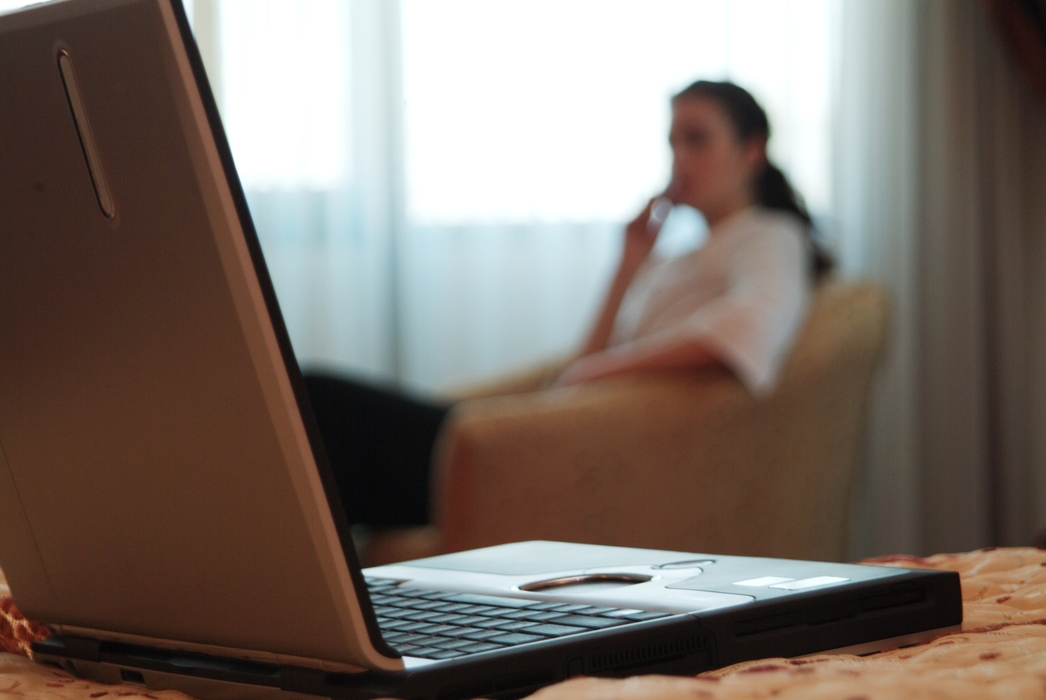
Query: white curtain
x=309 y=93
x=941 y=196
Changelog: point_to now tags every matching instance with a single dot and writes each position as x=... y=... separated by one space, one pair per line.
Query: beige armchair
x=683 y=461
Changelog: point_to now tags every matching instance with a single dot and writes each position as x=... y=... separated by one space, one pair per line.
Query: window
x=556 y=111
x=440 y=185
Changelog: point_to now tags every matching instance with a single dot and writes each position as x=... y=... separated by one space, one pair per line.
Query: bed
x=1000 y=653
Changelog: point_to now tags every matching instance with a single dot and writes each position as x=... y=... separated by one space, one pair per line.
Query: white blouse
x=743 y=295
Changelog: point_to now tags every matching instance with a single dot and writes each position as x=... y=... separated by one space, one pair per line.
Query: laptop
x=165 y=502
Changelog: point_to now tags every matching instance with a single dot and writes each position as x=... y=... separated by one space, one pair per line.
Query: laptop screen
x=160 y=469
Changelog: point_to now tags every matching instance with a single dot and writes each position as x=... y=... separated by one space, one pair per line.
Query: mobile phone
x=659 y=211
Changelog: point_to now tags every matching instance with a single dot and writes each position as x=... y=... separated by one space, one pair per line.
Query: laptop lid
x=161 y=481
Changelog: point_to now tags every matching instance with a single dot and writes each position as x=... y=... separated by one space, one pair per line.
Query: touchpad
x=585 y=583
x=523 y=558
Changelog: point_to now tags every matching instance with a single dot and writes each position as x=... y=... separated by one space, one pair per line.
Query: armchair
x=684 y=461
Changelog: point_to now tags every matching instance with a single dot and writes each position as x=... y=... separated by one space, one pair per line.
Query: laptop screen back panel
x=158 y=475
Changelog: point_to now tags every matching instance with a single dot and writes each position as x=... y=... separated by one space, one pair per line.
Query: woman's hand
x=640 y=236
x=641 y=233
x=639 y=240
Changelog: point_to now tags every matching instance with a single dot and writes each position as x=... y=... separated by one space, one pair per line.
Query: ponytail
x=772 y=189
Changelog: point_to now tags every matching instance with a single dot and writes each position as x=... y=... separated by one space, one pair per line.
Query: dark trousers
x=379 y=443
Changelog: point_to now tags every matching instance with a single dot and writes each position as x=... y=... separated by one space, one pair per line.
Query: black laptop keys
x=439 y=625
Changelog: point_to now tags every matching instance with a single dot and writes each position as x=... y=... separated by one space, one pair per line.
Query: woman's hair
x=772 y=189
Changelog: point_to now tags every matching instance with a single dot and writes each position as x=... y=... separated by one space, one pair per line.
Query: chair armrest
x=669 y=462
x=522 y=381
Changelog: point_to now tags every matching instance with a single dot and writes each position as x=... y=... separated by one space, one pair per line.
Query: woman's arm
x=599 y=337
x=748 y=329
x=669 y=352
x=640 y=236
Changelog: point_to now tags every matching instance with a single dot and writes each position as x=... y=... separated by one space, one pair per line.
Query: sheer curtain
x=941 y=167
x=440 y=186
x=307 y=92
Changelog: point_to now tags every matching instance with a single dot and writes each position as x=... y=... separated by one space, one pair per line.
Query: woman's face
x=712 y=171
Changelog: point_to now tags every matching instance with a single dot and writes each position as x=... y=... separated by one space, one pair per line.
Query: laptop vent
x=898 y=597
x=643 y=655
x=129 y=676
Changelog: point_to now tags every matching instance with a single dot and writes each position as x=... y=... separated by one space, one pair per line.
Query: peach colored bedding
x=1000 y=653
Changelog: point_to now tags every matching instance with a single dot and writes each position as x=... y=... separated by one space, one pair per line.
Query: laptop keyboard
x=440 y=625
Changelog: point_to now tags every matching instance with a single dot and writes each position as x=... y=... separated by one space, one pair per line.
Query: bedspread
x=1000 y=653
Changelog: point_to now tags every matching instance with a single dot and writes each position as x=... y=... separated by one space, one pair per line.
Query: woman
x=737 y=301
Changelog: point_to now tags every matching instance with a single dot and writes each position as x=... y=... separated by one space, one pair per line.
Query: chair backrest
x=810 y=432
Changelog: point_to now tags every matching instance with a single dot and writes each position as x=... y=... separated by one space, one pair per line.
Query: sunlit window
x=440 y=185
x=558 y=110
x=286 y=90
x=6 y=5
x=521 y=110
